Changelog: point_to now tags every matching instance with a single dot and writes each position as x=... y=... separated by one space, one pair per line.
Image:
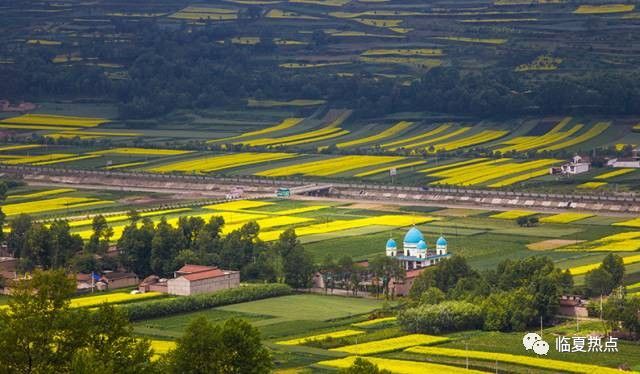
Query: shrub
x=185 y=304
x=444 y=317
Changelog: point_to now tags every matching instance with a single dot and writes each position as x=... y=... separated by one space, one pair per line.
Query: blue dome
x=391 y=243
x=421 y=245
x=441 y=241
x=413 y=236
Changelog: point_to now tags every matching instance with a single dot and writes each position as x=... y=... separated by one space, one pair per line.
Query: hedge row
x=185 y=304
x=440 y=318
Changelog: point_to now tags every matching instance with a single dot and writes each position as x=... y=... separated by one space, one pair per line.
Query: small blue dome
x=413 y=236
x=441 y=241
x=421 y=245
x=391 y=243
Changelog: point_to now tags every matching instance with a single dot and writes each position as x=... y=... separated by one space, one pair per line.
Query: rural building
x=624 y=163
x=115 y=279
x=153 y=283
x=572 y=305
x=415 y=253
x=107 y=280
x=197 y=279
x=578 y=165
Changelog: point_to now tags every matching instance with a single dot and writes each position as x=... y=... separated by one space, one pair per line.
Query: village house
x=192 y=280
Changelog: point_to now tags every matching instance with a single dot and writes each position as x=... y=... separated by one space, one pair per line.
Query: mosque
x=415 y=253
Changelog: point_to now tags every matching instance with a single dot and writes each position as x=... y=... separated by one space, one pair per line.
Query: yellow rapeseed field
x=613 y=173
x=374 y=322
x=205 y=13
x=400 y=366
x=520 y=178
x=124 y=217
x=391 y=344
x=476 y=139
x=621 y=242
x=453 y=165
x=432 y=141
x=308 y=137
x=141 y=151
x=473 y=40
x=284 y=14
x=53 y=204
x=332 y=166
x=35 y=195
x=419 y=137
x=525 y=143
x=594 y=131
x=513 y=214
x=19 y=147
x=591 y=185
x=55 y=120
x=386 y=133
x=70 y=159
x=332 y=335
x=479 y=173
x=341 y=225
x=536 y=362
x=387 y=168
x=238 y=205
x=565 y=217
x=430 y=52
x=579 y=270
x=220 y=162
x=604 y=9
x=38 y=158
x=267 y=223
x=125 y=165
x=635 y=222
x=111 y=298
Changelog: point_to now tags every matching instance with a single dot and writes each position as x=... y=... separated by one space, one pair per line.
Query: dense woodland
x=185 y=68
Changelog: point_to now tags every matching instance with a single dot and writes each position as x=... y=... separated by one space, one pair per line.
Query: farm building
x=197 y=279
x=415 y=253
x=578 y=165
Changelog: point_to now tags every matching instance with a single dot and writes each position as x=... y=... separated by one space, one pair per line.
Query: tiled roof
x=215 y=273
x=188 y=268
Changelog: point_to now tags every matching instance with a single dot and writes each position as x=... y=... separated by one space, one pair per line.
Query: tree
x=63 y=244
x=102 y=233
x=17 y=239
x=234 y=347
x=134 y=247
x=599 y=281
x=387 y=269
x=614 y=264
x=40 y=333
x=298 y=268
x=166 y=243
x=432 y=295
x=362 y=366
x=509 y=310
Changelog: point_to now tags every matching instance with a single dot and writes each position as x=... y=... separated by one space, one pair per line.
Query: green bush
x=439 y=318
x=185 y=304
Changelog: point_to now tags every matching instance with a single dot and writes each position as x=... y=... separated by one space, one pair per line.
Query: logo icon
x=541 y=348
x=533 y=341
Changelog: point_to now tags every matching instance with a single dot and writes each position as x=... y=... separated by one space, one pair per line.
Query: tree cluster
x=186 y=68
x=40 y=333
x=517 y=294
x=146 y=248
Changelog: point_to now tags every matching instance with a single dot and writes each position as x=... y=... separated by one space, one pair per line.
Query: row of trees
x=40 y=333
x=147 y=248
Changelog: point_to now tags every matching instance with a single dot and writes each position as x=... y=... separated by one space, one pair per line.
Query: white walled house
x=197 y=279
